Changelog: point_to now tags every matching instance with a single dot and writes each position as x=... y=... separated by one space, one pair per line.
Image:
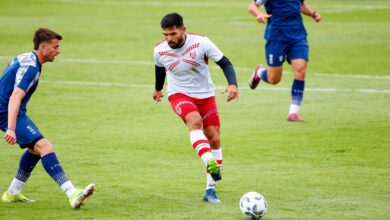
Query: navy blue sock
x=297 y=90
x=54 y=169
x=26 y=166
x=263 y=75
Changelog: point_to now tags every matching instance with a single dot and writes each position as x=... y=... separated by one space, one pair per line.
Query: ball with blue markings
x=253 y=205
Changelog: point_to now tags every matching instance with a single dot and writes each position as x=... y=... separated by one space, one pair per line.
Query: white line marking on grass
x=131 y=62
x=337 y=8
x=243 y=69
x=338 y=75
x=342 y=8
x=150 y=86
x=87 y=83
x=352 y=76
x=153 y=3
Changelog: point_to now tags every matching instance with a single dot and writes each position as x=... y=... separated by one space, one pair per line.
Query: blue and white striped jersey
x=23 y=72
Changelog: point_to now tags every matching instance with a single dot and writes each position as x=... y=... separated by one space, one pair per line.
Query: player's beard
x=51 y=58
x=180 y=42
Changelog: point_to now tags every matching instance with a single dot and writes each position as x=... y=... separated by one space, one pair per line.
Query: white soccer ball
x=253 y=205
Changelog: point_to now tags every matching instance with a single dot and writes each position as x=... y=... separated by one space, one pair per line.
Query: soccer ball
x=253 y=205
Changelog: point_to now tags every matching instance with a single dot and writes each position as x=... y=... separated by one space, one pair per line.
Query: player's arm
x=29 y=77
x=13 y=110
x=159 y=84
x=254 y=10
x=307 y=10
x=230 y=74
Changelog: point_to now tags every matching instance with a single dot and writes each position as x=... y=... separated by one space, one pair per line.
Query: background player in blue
x=285 y=37
x=17 y=84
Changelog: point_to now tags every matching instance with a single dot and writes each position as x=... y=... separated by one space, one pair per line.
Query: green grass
x=106 y=129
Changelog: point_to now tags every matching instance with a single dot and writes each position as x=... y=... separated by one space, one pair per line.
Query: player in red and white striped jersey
x=183 y=58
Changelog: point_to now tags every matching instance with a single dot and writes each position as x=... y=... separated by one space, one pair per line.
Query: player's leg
x=26 y=165
x=299 y=56
x=53 y=167
x=198 y=140
x=185 y=107
x=201 y=144
x=211 y=129
x=275 y=53
x=27 y=135
x=211 y=123
x=212 y=134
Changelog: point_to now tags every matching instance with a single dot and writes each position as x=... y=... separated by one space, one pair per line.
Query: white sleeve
x=157 y=58
x=212 y=51
x=260 y=2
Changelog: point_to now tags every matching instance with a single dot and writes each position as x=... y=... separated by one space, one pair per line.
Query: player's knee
x=300 y=74
x=194 y=123
x=274 y=80
x=194 y=120
x=215 y=142
x=43 y=147
x=274 y=75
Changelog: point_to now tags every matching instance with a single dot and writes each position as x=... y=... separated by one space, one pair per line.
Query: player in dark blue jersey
x=285 y=37
x=17 y=84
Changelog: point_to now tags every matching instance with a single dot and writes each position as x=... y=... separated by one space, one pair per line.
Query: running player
x=285 y=38
x=183 y=57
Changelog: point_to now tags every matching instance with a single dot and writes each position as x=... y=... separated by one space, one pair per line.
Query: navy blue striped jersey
x=23 y=72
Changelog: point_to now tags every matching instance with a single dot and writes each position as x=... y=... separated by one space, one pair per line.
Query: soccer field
x=94 y=104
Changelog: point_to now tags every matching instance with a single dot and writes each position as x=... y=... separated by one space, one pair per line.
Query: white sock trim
x=196 y=135
x=294 y=109
x=206 y=157
x=217 y=153
x=68 y=188
x=210 y=182
x=15 y=187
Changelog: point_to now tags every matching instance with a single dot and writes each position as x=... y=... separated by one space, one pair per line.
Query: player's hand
x=157 y=95
x=316 y=16
x=262 y=17
x=10 y=137
x=232 y=92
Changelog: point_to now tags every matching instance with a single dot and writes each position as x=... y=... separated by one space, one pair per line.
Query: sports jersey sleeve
x=26 y=77
x=259 y=2
x=157 y=61
x=212 y=51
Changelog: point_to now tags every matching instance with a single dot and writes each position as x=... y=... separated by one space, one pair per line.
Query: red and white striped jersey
x=187 y=67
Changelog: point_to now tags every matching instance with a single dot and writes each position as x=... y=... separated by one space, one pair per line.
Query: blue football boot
x=211 y=196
